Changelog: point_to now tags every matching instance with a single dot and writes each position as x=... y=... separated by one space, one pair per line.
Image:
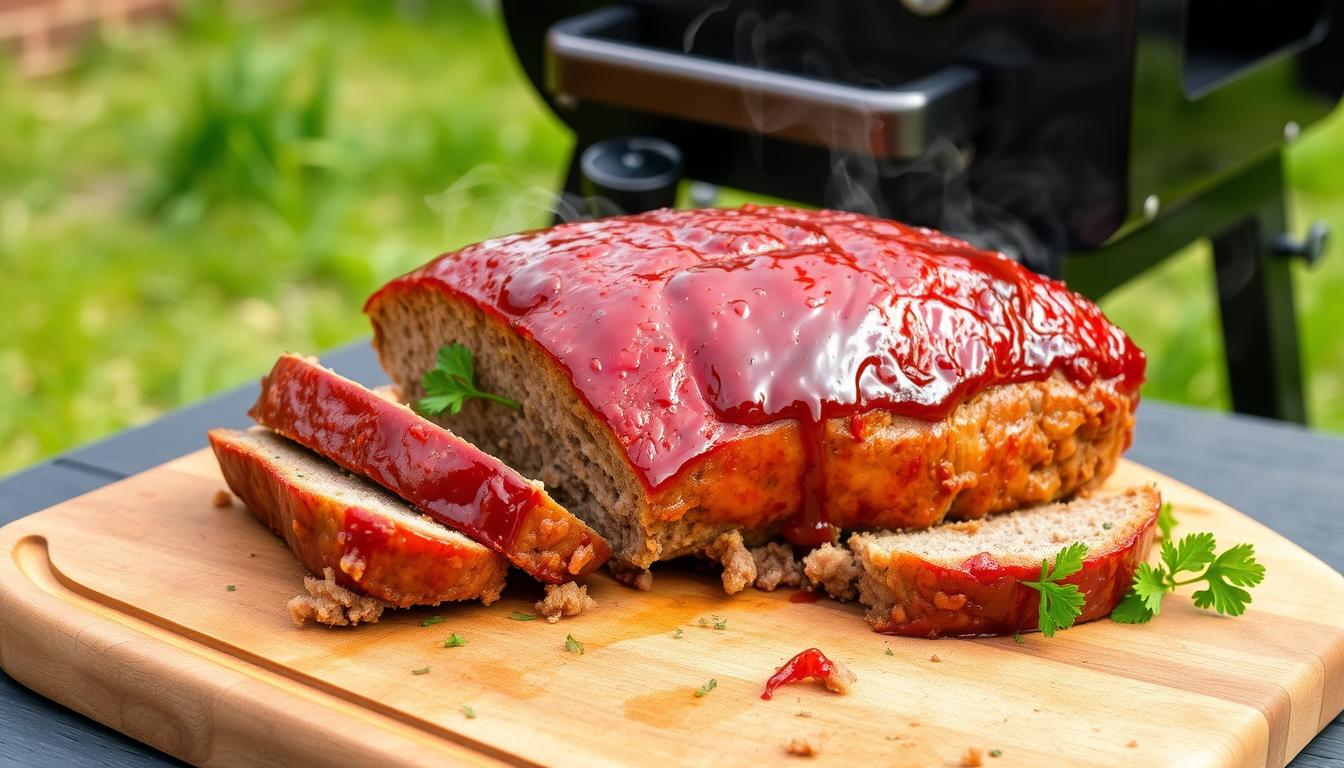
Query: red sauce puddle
x=686 y=329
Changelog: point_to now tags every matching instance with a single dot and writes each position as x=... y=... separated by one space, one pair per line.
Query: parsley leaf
x=520 y=616
x=430 y=621
x=572 y=645
x=706 y=688
x=469 y=712
x=1227 y=575
x=452 y=382
x=1131 y=610
x=455 y=640
x=1189 y=554
x=1060 y=604
x=678 y=633
x=1165 y=519
x=231 y=588
x=1150 y=586
x=1234 y=569
x=420 y=671
x=1017 y=638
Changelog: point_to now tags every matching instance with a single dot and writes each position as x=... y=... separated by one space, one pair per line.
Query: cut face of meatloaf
x=688 y=373
x=966 y=578
x=372 y=541
x=442 y=475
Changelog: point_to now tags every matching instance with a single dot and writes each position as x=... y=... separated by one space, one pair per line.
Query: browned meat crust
x=1006 y=447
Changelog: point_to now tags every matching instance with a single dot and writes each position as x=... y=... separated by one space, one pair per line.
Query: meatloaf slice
x=1008 y=446
x=441 y=474
x=371 y=540
x=966 y=578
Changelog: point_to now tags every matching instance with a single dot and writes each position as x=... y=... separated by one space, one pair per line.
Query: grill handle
x=590 y=58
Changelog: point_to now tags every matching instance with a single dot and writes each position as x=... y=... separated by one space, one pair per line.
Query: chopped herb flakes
x=889 y=653
x=420 y=671
x=706 y=688
x=520 y=616
x=572 y=645
x=1017 y=638
x=678 y=633
x=720 y=624
x=996 y=753
x=469 y=712
x=455 y=640
x=231 y=588
x=431 y=621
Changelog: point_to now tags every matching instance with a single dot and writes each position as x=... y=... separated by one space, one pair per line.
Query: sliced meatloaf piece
x=441 y=474
x=588 y=326
x=372 y=541
x=966 y=578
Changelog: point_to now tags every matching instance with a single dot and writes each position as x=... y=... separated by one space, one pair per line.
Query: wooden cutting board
x=117 y=604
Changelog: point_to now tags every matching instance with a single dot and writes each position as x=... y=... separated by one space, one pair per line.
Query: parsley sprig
x=1061 y=604
x=452 y=382
x=1227 y=576
x=1165 y=520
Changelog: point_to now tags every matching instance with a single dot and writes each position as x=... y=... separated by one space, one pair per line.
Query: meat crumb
x=841 y=680
x=329 y=603
x=973 y=757
x=739 y=568
x=568 y=599
x=836 y=569
x=1132 y=744
x=803 y=714
x=638 y=578
x=776 y=567
x=935 y=658
x=222 y=499
x=804 y=746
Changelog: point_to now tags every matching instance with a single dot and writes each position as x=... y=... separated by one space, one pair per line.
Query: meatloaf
x=445 y=477
x=967 y=578
x=688 y=373
x=365 y=537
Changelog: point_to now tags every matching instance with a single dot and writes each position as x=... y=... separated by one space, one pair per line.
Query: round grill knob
x=637 y=173
x=927 y=7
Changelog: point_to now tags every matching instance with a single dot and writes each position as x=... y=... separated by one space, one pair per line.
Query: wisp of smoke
x=516 y=206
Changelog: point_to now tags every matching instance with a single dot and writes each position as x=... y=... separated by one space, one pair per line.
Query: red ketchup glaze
x=446 y=477
x=806 y=665
x=687 y=329
x=997 y=602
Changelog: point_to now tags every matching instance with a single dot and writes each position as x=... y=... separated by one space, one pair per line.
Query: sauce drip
x=686 y=329
x=808 y=664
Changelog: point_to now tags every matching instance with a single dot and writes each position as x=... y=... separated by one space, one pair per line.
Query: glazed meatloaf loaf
x=684 y=374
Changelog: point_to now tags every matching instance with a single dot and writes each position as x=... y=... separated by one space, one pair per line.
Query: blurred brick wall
x=42 y=36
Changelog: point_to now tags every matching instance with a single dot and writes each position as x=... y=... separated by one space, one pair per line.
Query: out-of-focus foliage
x=192 y=200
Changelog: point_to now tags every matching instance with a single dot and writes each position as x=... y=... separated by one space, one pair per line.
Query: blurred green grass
x=188 y=202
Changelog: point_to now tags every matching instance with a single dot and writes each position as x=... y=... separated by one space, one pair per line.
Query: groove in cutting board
x=133 y=620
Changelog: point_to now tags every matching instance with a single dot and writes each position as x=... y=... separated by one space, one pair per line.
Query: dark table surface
x=1285 y=476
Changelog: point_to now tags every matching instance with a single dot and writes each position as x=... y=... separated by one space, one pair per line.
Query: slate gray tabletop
x=1287 y=477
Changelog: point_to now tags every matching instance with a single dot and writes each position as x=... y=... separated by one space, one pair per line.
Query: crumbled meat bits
x=739 y=567
x=329 y=603
x=804 y=746
x=638 y=578
x=568 y=599
x=836 y=569
x=222 y=499
x=776 y=567
x=973 y=757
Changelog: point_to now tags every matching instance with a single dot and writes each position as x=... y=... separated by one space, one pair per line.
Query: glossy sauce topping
x=686 y=329
x=806 y=665
x=446 y=477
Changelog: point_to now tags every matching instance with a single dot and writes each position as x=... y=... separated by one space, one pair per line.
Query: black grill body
x=1089 y=138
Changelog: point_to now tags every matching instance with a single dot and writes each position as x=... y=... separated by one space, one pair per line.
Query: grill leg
x=1255 y=299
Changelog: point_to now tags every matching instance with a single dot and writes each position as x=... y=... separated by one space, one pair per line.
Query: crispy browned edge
x=1006 y=447
x=413 y=570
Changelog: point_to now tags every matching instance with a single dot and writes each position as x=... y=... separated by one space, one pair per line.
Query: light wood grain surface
x=116 y=603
